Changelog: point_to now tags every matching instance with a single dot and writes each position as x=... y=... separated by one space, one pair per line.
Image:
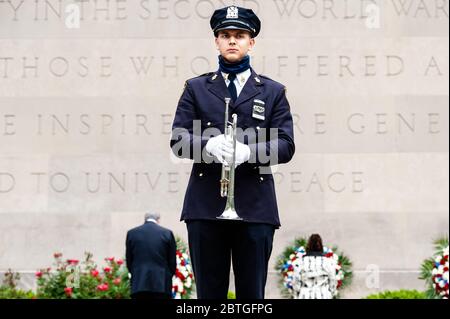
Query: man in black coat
x=151 y=259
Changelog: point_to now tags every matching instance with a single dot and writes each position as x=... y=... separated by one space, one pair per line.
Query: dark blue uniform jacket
x=261 y=105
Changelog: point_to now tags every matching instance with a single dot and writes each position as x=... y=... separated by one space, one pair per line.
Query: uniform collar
x=241 y=77
x=252 y=87
x=215 y=76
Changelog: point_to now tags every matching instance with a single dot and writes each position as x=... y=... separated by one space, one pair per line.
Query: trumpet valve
x=224 y=187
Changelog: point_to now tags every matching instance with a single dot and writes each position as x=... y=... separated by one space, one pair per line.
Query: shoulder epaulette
x=207 y=74
x=265 y=77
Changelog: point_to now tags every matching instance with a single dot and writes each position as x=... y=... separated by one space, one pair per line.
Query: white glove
x=220 y=148
x=242 y=153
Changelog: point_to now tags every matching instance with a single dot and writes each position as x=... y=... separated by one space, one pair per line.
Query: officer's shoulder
x=272 y=82
x=202 y=77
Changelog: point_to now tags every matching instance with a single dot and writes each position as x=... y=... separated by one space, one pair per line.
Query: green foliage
x=398 y=294
x=181 y=245
x=14 y=293
x=8 y=289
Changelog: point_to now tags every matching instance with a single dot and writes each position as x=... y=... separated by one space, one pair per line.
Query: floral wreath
x=435 y=271
x=183 y=280
x=293 y=253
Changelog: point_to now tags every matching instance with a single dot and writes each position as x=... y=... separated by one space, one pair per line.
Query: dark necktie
x=232 y=87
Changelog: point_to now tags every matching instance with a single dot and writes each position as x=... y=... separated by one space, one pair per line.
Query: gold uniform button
x=209 y=123
x=258 y=128
x=200 y=175
x=261 y=179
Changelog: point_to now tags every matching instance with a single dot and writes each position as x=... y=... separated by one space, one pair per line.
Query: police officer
x=262 y=108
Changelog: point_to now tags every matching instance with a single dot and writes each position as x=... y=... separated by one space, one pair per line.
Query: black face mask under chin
x=236 y=68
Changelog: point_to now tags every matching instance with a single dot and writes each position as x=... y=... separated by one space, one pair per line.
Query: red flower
x=119 y=262
x=107 y=269
x=68 y=291
x=103 y=287
x=117 y=281
x=179 y=275
x=329 y=255
x=57 y=255
x=72 y=261
x=94 y=273
x=339 y=285
x=39 y=274
x=110 y=259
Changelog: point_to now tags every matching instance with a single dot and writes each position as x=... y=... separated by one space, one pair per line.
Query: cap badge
x=232 y=12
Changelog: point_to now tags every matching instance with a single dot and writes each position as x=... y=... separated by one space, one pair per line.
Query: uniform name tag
x=259 y=110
